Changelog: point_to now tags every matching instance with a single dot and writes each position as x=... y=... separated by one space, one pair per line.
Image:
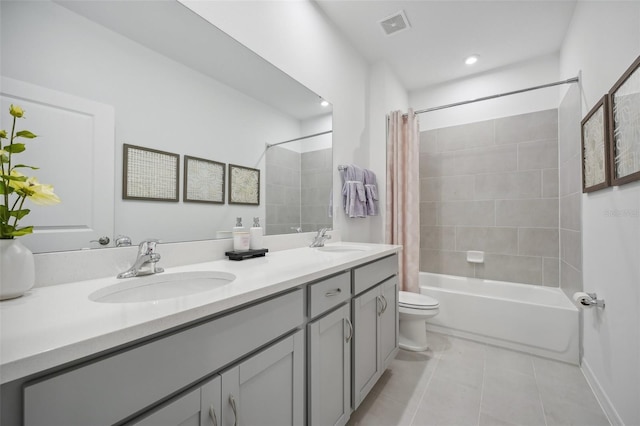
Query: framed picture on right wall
x=624 y=126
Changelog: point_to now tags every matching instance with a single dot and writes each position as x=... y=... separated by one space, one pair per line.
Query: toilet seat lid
x=417 y=300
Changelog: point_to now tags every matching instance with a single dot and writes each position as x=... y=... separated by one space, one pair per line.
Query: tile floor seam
x=535 y=377
x=484 y=376
x=424 y=391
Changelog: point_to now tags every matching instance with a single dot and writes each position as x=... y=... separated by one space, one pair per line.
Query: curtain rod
x=269 y=145
x=486 y=98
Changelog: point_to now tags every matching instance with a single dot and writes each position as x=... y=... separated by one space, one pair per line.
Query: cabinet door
x=268 y=388
x=366 y=309
x=388 y=320
x=200 y=407
x=330 y=368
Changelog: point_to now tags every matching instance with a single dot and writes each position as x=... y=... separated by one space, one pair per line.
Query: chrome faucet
x=320 y=238
x=145 y=263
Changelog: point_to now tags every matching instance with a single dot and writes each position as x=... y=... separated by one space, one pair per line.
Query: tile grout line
x=424 y=391
x=484 y=376
x=535 y=376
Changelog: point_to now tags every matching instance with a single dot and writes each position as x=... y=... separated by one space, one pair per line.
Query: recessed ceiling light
x=471 y=60
x=324 y=103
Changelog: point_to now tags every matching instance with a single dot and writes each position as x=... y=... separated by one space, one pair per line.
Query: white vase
x=17 y=271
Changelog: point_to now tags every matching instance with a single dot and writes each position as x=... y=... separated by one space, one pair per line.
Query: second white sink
x=343 y=248
x=161 y=286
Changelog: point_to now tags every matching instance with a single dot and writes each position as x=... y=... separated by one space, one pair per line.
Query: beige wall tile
x=571 y=212
x=445 y=262
x=538 y=242
x=538 y=155
x=527 y=127
x=508 y=185
x=527 y=213
x=571 y=248
x=487 y=239
x=466 y=213
x=550 y=183
x=571 y=176
x=570 y=279
x=492 y=159
x=438 y=237
x=429 y=141
x=466 y=136
x=518 y=269
x=550 y=272
x=428 y=214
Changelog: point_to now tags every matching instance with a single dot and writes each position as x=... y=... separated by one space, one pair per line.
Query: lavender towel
x=371 y=192
x=353 y=193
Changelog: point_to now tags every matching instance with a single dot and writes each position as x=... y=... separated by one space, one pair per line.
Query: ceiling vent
x=395 y=23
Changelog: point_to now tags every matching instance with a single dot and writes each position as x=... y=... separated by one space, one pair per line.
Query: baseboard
x=601 y=395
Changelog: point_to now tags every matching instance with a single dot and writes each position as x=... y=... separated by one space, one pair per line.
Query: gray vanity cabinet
x=268 y=388
x=200 y=407
x=330 y=368
x=329 y=362
x=375 y=322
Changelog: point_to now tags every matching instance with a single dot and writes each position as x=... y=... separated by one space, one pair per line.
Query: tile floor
x=458 y=382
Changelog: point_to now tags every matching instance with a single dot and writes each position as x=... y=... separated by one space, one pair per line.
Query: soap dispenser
x=238 y=227
x=241 y=238
x=256 y=234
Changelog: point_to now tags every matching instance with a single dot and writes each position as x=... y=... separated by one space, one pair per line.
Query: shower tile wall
x=492 y=186
x=570 y=192
x=282 y=190
x=298 y=190
x=316 y=184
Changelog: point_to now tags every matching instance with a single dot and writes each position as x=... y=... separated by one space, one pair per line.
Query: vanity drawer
x=328 y=293
x=369 y=275
x=114 y=388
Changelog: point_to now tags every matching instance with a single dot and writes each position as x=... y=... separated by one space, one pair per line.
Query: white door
x=75 y=151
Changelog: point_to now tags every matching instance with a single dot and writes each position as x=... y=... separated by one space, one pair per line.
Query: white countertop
x=51 y=326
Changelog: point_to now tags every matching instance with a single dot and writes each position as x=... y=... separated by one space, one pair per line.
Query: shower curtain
x=403 y=195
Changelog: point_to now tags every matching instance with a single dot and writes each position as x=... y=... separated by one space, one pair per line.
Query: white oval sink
x=161 y=286
x=343 y=248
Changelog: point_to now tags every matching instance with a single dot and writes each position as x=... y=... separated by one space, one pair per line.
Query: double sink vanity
x=298 y=337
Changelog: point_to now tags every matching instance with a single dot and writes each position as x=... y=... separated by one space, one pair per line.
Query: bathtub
x=538 y=320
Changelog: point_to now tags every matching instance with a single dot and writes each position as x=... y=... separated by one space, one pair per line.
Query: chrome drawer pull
x=232 y=401
x=212 y=414
x=384 y=300
x=379 y=305
x=348 y=339
x=332 y=293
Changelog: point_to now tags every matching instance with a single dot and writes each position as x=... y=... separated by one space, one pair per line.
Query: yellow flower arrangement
x=15 y=187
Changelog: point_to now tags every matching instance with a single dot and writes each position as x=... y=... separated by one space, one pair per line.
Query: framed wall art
x=203 y=180
x=595 y=147
x=244 y=185
x=149 y=174
x=624 y=126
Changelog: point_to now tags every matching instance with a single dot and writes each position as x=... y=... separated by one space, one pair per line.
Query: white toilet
x=414 y=310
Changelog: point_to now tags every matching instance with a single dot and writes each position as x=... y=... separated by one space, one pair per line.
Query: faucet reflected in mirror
x=145 y=263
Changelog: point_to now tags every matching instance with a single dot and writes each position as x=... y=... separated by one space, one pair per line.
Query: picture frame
x=149 y=174
x=595 y=147
x=204 y=181
x=244 y=185
x=624 y=126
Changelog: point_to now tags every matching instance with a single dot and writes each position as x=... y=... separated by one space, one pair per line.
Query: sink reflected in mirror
x=161 y=286
x=343 y=248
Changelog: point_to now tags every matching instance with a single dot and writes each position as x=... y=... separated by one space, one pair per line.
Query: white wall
x=296 y=37
x=603 y=40
x=158 y=102
x=515 y=77
x=386 y=94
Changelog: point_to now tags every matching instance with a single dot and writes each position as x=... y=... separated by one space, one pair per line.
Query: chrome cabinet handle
x=350 y=336
x=332 y=293
x=379 y=305
x=212 y=414
x=385 y=303
x=232 y=401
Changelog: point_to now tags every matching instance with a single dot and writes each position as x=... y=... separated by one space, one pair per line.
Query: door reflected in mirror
x=175 y=83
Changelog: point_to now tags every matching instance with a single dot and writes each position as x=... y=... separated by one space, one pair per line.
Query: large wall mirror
x=95 y=76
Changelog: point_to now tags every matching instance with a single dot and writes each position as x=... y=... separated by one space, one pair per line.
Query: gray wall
x=316 y=181
x=492 y=186
x=570 y=191
x=282 y=191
